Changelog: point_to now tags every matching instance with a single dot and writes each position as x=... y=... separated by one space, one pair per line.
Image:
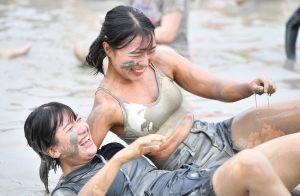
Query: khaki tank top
x=160 y=117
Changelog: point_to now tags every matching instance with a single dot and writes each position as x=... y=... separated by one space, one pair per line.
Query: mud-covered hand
x=139 y=148
x=109 y=171
x=262 y=85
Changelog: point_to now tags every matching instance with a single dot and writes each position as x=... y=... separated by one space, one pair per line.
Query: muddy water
x=231 y=41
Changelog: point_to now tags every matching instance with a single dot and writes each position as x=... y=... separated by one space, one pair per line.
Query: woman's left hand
x=262 y=85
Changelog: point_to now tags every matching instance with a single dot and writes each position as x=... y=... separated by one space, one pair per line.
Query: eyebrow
x=153 y=47
x=66 y=125
x=69 y=122
x=136 y=51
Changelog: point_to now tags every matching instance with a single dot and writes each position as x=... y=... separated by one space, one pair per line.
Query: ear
x=53 y=152
x=107 y=49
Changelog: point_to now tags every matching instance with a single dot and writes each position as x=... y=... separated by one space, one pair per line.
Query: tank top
x=163 y=116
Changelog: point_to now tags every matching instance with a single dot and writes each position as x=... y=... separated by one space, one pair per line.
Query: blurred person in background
x=13 y=53
x=291 y=33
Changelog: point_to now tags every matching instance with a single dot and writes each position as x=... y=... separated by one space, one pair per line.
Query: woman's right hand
x=262 y=85
x=109 y=171
x=139 y=148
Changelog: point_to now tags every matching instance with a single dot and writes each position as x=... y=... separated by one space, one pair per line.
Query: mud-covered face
x=132 y=61
x=74 y=144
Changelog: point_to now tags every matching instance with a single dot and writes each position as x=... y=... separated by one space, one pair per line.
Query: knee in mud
x=253 y=164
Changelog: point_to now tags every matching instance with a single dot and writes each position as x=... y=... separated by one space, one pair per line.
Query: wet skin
x=72 y=151
x=128 y=65
x=258 y=125
x=166 y=149
x=73 y=147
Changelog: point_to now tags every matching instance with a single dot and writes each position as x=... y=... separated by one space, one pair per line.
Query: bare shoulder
x=105 y=108
x=105 y=113
x=168 y=61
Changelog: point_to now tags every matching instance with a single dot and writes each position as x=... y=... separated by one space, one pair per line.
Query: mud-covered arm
x=101 y=181
x=106 y=113
x=204 y=84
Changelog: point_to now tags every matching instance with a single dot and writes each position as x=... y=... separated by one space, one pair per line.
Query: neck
x=113 y=78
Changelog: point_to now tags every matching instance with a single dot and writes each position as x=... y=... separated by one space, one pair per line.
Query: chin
x=94 y=149
x=90 y=151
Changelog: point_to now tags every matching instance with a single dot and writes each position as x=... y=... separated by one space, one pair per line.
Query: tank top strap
x=153 y=67
x=108 y=91
x=157 y=71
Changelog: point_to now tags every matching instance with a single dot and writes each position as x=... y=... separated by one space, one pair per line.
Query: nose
x=144 y=60
x=81 y=129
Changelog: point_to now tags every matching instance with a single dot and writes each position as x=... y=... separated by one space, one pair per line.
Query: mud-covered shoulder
x=104 y=106
x=168 y=61
x=105 y=113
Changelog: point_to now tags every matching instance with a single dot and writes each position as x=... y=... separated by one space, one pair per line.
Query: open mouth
x=85 y=141
x=138 y=70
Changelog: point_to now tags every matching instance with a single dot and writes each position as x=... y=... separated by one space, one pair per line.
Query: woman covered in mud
x=139 y=96
x=63 y=139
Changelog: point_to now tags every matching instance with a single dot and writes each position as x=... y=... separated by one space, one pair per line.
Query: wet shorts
x=207 y=145
x=190 y=179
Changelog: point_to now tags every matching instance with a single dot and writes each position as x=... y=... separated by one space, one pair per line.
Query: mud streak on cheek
x=127 y=65
x=74 y=142
x=73 y=150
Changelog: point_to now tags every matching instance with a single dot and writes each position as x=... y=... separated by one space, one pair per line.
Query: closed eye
x=151 y=51
x=136 y=56
x=70 y=129
x=78 y=118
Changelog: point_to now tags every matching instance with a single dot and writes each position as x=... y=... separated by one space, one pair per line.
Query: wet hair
x=40 y=128
x=121 y=25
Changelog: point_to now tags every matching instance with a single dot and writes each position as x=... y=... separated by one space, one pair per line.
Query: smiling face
x=73 y=143
x=132 y=61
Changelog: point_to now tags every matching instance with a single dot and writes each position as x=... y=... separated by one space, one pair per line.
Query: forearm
x=207 y=85
x=101 y=181
x=232 y=90
x=220 y=89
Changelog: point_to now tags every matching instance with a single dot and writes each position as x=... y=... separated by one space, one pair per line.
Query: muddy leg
x=248 y=173
x=284 y=155
x=258 y=125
